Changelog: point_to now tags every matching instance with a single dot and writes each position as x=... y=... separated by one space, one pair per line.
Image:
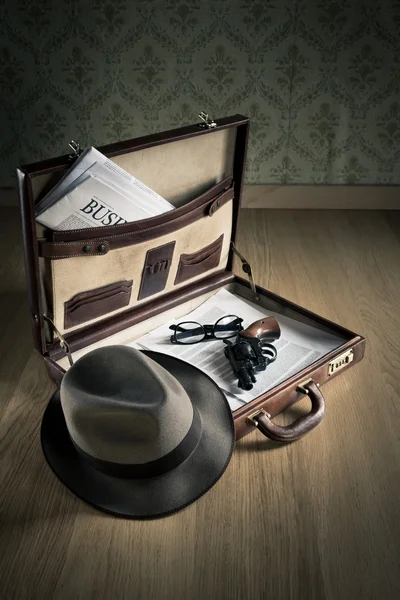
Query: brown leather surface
x=199 y=255
x=286 y=394
x=88 y=247
x=217 y=191
x=156 y=269
x=301 y=426
x=58 y=165
x=239 y=163
x=83 y=337
x=218 y=202
x=191 y=265
x=172 y=221
x=63 y=162
x=86 y=306
x=275 y=402
x=90 y=334
x=31 y=260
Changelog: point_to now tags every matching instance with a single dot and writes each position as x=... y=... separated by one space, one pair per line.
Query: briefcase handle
x=301 y=426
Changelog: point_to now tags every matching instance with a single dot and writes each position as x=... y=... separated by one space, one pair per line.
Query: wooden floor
x=316 y=519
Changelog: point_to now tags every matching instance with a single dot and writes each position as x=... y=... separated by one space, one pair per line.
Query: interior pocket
x=92 y=304
x=197 y=263
x=156 y=269
x=222 y=191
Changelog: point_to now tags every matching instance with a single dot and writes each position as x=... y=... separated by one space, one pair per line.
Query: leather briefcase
x=114 y=283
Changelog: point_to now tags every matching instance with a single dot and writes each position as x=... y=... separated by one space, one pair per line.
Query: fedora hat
x=138 y=434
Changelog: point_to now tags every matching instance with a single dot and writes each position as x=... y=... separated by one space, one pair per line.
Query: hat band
x=154 y=468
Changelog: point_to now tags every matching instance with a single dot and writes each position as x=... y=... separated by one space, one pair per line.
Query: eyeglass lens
x=189 y=333
x=227 y=327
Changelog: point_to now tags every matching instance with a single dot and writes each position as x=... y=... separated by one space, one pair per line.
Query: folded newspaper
x=96 y=192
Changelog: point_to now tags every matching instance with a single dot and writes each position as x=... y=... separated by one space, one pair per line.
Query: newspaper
x=94 y=203
x=298 y=347
x=96 y=192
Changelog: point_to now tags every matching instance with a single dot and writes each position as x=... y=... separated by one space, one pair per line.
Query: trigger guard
x=269 y=351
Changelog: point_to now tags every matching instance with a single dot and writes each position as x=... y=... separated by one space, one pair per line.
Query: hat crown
x=122 y=407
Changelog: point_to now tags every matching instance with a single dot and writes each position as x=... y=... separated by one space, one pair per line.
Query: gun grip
x=263 y=329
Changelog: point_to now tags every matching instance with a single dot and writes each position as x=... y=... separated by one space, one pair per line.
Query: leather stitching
x=229 y=184
x=110 y=237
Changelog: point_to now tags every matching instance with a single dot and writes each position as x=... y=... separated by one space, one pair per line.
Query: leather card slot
x=155 y=270
x=81 y=298
x=196 y=257
x=192 y=265
x=92 y=304
x=102 y=296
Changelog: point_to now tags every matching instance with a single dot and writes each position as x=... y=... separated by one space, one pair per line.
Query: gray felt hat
x=136 y=433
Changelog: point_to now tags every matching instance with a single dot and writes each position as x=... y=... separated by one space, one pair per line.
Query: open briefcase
x=130 y=278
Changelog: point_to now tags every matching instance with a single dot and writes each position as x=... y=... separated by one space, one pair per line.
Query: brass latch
x=76 y=150
x=340 y=362
x=208 y=122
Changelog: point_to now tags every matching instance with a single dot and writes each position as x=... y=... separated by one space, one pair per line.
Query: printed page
x=92 y=204
x=298 y=346
x=79 y=167
x=93 y=162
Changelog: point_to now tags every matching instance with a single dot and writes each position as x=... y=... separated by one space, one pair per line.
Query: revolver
x=252 y=351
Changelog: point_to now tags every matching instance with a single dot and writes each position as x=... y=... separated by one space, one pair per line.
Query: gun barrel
x=244 y=379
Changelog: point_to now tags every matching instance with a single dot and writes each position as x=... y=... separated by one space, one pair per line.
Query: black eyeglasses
x=191 y=332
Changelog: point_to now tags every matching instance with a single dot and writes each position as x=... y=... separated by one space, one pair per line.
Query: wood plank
x=318 y=519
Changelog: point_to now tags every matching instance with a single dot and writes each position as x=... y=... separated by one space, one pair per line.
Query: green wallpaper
x=320 y=80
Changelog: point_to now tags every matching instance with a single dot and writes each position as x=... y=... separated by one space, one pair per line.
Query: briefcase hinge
x=340 y=362
x=63 y=342
x=76 y=150
x=247 y=269
x=208 y=122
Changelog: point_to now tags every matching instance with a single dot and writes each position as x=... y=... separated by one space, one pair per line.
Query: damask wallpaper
x=320 y=80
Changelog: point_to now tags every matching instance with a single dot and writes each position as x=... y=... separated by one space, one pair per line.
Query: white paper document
x=95 y=183
x=93 y=203
x=298 y=346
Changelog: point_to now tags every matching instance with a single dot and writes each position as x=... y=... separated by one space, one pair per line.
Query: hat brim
x=159 y=496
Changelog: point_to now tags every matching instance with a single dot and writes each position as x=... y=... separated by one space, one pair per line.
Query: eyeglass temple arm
x=185 y=333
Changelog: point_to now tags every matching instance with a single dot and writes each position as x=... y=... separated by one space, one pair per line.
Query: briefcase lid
x=214 y=149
